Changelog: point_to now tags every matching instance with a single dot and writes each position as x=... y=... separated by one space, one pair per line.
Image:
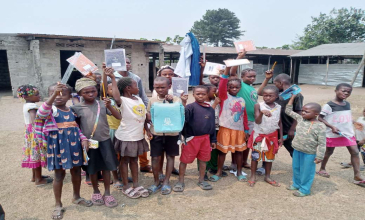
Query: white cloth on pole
x=183 y=65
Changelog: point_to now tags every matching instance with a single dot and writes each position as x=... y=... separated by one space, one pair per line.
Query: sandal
x=323 y=173
x=345 y=165
x=242 y=178
x=110 y=201
x=251 y=183
x=205 y=185
x=213 y=172
x=260 y=171
x=214 y=178
x=175 y=171
x=234 y=172
x=206 y=178
x=360 y=183
x=273 y=183
x=131 y=193
x=166 y=189
x=144 y=192
x=82 y=202
x=291 y=187
x=179 y=187
x=118 y=186
x=299 y=194
x=58 y=213
x=224 y=174
x=97 y=199
x=226 y=167
x=153 y=189
x=161 y=177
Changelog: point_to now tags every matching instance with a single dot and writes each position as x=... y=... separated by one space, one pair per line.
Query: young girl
x=34 y=155
x=129 y=138
x=64 y=147
x=233 y=128
x=336 y=115
x=94 y=125
x=264 y=138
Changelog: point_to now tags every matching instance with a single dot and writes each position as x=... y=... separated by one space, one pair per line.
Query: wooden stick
x=358 y=69
x=104 y=88
x=273 y=66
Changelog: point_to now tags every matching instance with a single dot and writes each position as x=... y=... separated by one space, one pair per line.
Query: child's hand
x=107 y=102
x=202 y=63
x=58 y=89
x=267 y=113
x=335 y=130
x=280 y=142
x=149 y=134
x=85 y=144
x=214 y=145
x=184 y=98
x=317 y=161
x=217 y=100
x=109 y=72
x=169 y=98
x=269 y=74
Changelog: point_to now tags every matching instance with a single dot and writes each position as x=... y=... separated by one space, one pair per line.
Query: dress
x=64 y=146
x=33 y=155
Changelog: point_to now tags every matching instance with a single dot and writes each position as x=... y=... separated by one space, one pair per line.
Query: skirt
x=340 y=142
x=231 y=140
x=34 y=154
x=102 y=158
x=131 y=148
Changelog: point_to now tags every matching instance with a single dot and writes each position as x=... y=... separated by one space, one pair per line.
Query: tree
x=218 y=28
x=176 y=40
x=340 y=26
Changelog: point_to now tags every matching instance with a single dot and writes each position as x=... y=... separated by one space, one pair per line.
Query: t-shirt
x=249 y=94
x=87 y=115
x=113 y=121
x=360 y=129
x=150 y=103
x=268 y=124
x=133 y=117
x=310 y=136
x=339 y=116
x=286 y=120
x=26 y=108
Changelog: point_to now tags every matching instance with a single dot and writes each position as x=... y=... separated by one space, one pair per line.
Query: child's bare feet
x=272 y=182
x=43 y=182
x=43 y=177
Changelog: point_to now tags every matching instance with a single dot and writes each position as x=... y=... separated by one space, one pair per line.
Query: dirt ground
x=333 y=198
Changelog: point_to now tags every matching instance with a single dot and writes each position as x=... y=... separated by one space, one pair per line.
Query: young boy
x=163 y=142
x=200 y=136
x=309 y=146
x=283 y=82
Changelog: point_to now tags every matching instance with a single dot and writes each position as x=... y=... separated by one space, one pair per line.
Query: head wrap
x=83 y=83
x=164 y=68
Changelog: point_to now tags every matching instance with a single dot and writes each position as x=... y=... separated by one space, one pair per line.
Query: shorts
x=102 y=158
x=168 y=144
x=198 y=147
x=257 y=155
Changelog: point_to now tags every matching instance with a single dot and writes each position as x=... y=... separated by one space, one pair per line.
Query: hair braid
x=123 y=83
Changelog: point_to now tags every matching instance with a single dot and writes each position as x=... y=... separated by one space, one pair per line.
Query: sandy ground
x=334 y=198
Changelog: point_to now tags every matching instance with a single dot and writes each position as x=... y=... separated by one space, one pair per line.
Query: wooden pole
x=328 y=62
x=268 y=64
x=358 y=69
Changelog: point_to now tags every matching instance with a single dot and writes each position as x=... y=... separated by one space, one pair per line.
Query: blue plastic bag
x=168 y=117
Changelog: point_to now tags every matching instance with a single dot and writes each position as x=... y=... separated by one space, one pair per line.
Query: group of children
x=109 y=135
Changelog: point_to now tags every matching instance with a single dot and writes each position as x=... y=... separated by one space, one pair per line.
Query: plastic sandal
x=83 y=202
x=166 y=189
x=251 y=183
x=144 y=192
x=291 y=187
x=118 y=186
x=110 y=201
x=360 y=183
x=179 y=187
x=131 y=193
x=224 y=174
x=58 y=213
x=299 y=194
x=242 y=178
x=204 y=185
x=323 y=173
x=97 y=199
x=273 y=183
x=345 y=165
x=214 y=178
x=161 y=177
x=153 y=189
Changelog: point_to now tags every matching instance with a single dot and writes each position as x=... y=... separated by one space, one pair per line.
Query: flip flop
x=226 y=167
x=360 y=183
x=43 y=177
x=213 y=172
x=206 y=178
x=144 y=192
x=234 y=172
x=179 y=187
x=346 y=165
x=153 y=189
x=166 y=189
x=131 y=193
x=58 y=213
x=242 y=178
x=214 y=178
x=273 y=183
x=97 y=199
x=251 y=183
x=161 y=177
x=260 y=171
x=48 y=181
x=299 y=194
x=224 y=174
x=205 y=185
x=82 y=202
x=323 y=173
x=118 y=186
x=110 y=201
x=291 y=187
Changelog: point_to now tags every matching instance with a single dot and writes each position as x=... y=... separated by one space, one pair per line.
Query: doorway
x=5 y=83
x=75 y=75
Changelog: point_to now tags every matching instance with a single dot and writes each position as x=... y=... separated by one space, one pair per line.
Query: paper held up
x=292 y=90
x=180 y=85
x=82 y=63
x=230 y=63
x=247 y=45
x=115 y=58
x=213 y=68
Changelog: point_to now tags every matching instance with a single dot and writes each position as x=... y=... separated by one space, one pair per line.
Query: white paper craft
x=115 y=58
x=230 y=63
x=247 y=45
x=213 y=68
x=82 y=63
x=180 y=85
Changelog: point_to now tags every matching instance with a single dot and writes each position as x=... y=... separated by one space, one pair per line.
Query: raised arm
x=268 y=75
x=46 y=108
x=114 y=111
x=241 y=55
x=289 y=110
x=116 y=95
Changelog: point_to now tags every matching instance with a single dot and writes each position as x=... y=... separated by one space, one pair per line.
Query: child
x=129 y=138
x=64 y=147
x=167 y=72
x=264 y=138
x=309 y=145
x=336 y=115
x=163 y=142
x=94 y=125
x=34 y=155
x=233 y=128
x=200 y=137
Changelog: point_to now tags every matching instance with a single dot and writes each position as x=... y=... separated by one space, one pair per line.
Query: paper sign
x=116 y=59
x=180 y=85
x=247 y=45
x=213 y=68
x=82 y=63
x=230 y=63
x=292 y=90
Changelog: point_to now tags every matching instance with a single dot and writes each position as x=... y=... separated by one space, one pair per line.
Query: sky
x=268 y=23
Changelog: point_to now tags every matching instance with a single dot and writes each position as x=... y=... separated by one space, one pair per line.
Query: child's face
x=343 y=92
x=162 y=88
x=308 y=113
x=279 y=85
x=234 y=87
x=128 y=64
x=134 y=88
x=214 y=80
x=98 y=79
x=269 y=96
x=60 y=100
x=249 y=77
x=200 y=95
x=89 y=93
x=168 y=73
x=33 y=98
x=212 y=92
x=110 y=90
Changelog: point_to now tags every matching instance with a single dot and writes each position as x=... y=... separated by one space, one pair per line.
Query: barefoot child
x=163 y=142
x=94 y=125
x=34 y=154
x=336 y=115
x=264 y=140
x=129 y=138
x=309 y=146
x=65 y=144
x=200 y=137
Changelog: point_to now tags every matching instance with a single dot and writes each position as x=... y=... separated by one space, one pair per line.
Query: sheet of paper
x=82 y=63
x=230 y=63
x=247 y=45
x=180 y=85
x=116 y=59
x=213 y=68
x=292 y=90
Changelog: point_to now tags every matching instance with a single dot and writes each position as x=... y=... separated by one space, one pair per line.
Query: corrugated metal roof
x=231 y=50
x=70 y=37
x=344 y=49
